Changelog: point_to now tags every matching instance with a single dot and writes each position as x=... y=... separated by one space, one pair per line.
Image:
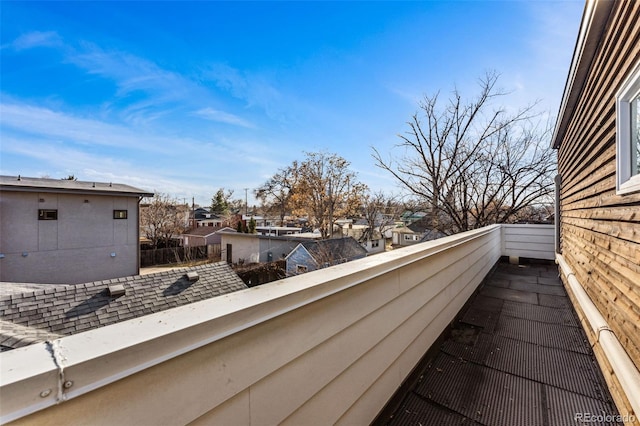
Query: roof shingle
x=37 y=315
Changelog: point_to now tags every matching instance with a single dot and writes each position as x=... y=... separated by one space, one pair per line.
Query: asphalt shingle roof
x=339 y=248
x=52 y=310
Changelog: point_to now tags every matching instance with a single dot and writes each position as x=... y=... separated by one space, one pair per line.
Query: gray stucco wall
x=75 y=248
x=243 y=247
x=255 y=248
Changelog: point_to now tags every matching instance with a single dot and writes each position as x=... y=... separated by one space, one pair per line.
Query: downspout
x=625 y=370
x=556 y=219
x=138 y=235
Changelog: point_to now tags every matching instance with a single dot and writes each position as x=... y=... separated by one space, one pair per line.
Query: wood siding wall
x=600 y=231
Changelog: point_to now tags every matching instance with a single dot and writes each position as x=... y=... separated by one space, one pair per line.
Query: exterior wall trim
x=428 y=282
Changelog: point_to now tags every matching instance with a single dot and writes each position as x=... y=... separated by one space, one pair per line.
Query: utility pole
x=246 y=204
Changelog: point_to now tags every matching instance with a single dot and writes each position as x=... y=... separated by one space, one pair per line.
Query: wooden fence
x=165 y=256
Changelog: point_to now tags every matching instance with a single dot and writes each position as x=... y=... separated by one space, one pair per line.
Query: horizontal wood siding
x=600 y=230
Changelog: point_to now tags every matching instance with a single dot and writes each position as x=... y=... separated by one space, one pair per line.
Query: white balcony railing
x=330 y=346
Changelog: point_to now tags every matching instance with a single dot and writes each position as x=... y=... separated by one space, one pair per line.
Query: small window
x=120 y=214
x=44 y=214
x=375 y=243
x=628 y=134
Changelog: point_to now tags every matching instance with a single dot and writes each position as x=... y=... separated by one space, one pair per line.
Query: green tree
x=221 y=202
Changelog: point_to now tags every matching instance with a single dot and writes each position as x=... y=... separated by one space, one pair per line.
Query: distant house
x=204 y=236
x=202 y=217
x=375 y=243
x=201 y=213
x=63 y=231
x=311 y=255
x=39 y=312
x=403 y=236
x=372 y=241
x=277 y=231
x=211 y=221
x=414 y=233
x=597 y=136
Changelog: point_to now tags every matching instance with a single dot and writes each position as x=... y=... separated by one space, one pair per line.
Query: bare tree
x=471 y=164
x=380 y=211
x=275 y=194
x=160 y=219
x=326 y=189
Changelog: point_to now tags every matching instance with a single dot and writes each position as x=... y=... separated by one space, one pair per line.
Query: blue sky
x=187 y=97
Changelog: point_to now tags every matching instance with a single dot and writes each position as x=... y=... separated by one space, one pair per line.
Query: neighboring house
x=204 y=236
x=63 y=231
x=33 y=313
x=597 y=136
x=311 y=255
x=403 y=236
x=414 y=233
x=201 y=213
x=238 y=247
x=373 y=242
x=202 y=217
x=260 y=220
x=211 y=221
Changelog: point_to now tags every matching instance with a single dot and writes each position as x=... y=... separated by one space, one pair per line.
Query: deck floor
x=516 y=355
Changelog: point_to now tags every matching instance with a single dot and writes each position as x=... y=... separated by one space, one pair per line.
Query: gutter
x=624 y=369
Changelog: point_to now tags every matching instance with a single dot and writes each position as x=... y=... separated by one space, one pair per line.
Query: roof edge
x=594 y=19
x=30 y=184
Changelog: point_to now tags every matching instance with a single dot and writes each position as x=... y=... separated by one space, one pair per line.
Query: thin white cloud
x=37 y=39
x=256 y=90
x=542 y=73
x=103 y=168
x=40 y=140
x=132 y=73
x=53 y=125
x=223 y=117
